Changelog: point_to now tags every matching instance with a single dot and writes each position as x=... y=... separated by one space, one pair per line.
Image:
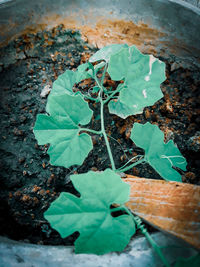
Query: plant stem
x=130 y=166
x=102 y=120
x=90 y=131
x=144 y=231
x=105 y=136
x=156 y=248
x=118 y=144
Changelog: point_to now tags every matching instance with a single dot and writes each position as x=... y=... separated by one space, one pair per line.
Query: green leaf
x=161 y=156
x=61 y=130
x=64 y=83
x=69 y=106
x=70 y=150
x=120 y=109
x=193 y=261
x=106 y=52
x=140 y=92
x=87 y=70
x=95 y=89
x=125 y=60
x=84 y=71
x=90 y=214
x=142 y=75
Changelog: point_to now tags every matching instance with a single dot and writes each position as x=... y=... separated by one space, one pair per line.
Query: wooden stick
x=171 y=206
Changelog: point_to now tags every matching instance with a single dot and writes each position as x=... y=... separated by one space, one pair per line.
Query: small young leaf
x=161 y=156
x=90 y=214
x=61 y=130
x=84 y=71
x=99 y=66
x=142 y=75
x=105 y=52
x=95 y=89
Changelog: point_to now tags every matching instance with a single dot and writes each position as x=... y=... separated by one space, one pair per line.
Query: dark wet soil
x=28 y=183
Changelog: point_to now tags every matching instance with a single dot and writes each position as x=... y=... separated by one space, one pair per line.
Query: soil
x=28 y=183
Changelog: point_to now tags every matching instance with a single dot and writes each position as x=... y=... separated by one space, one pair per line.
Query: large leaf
x=61 y=130
x=161 y=156
x=106 y=52
x=69 y=106
x=64 y=83
x=142 y=75
x=116 y=106
x=120 y=109
x=90 y=214
x=140 y=91
x=126 y=60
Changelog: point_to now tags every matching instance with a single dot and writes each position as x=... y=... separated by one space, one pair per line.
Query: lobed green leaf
x=64 y=83
x=90 y=214
x=61 y=129
x=120 y=109
x=161 y=156
x=69 y=106
x=116 y=106
x=142 y=75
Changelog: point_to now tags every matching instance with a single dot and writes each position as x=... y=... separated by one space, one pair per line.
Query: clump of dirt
x=28 y=67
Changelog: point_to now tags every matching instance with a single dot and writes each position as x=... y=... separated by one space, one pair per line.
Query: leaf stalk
x=91 y=98
x=90 y=131
x=130 y=166
x=113 y=93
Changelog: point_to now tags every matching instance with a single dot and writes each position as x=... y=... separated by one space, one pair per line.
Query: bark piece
x=171 y=206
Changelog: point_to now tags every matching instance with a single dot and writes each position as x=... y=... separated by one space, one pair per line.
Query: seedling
x=138 y=77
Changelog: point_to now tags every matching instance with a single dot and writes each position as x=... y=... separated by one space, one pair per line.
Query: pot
x=156 y=27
